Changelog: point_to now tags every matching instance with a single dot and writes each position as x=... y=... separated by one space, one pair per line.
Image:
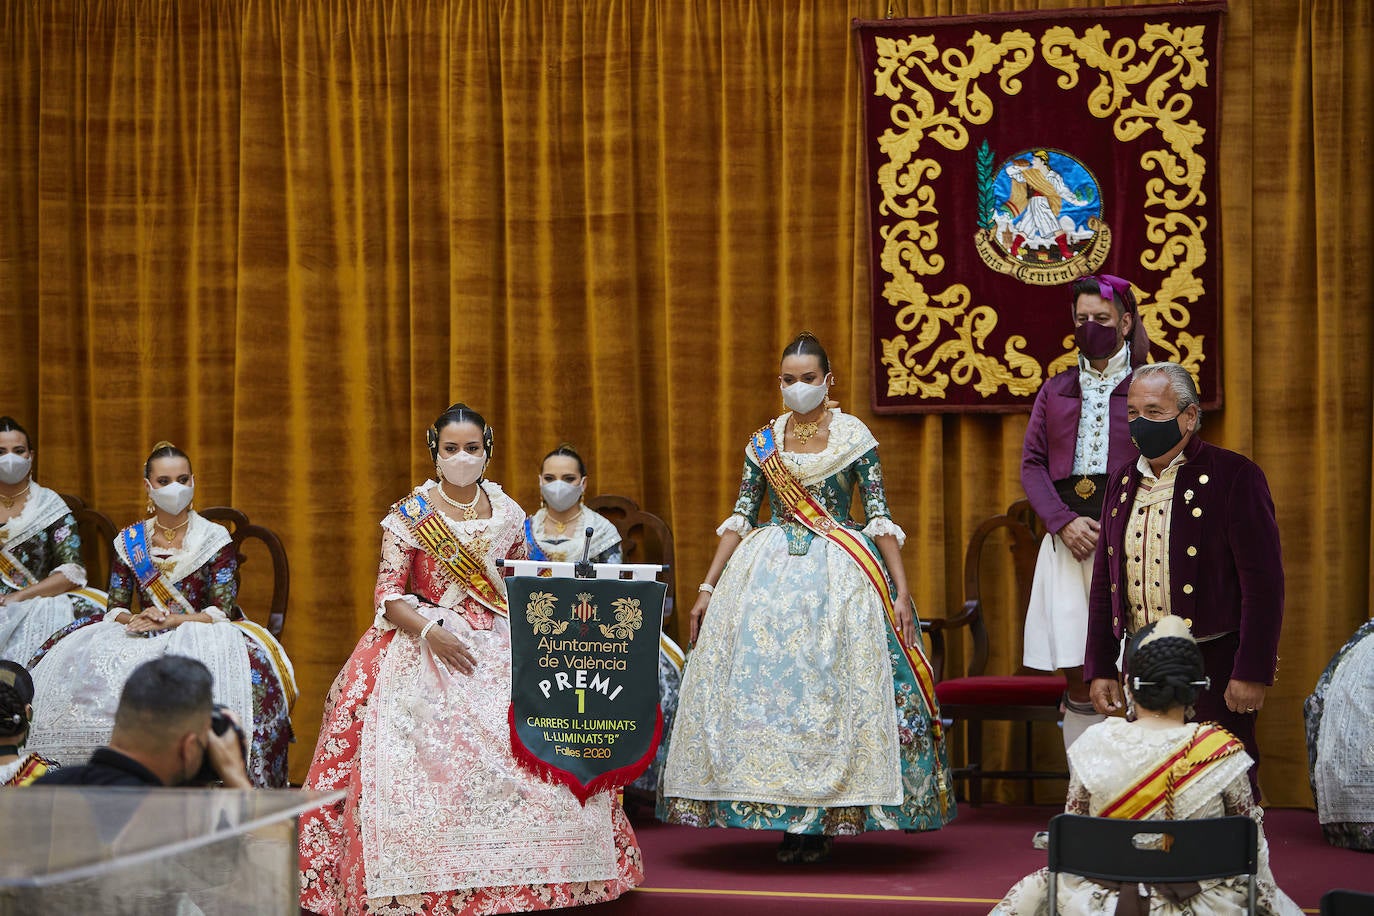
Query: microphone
x=584 y=570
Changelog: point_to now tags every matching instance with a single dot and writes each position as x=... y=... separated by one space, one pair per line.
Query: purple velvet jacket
x=1225 y=568
x=1047 y=454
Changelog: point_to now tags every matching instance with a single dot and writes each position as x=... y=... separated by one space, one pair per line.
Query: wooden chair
x=241 y=530
x=97 y=534
x=644 y=538
x=977 y=697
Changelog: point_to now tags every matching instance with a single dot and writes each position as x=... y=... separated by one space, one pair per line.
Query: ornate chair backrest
x=97 y=540
x=644 y=537
x=1020 y=523
x=241 y=530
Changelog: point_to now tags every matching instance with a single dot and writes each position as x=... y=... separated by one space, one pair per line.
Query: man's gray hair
x=1180 y=381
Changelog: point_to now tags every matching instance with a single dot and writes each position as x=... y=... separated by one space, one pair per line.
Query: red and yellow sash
x=1209 y=744
x=437 y=540
x=32 y=768
x=14 y=572
x=817 y=519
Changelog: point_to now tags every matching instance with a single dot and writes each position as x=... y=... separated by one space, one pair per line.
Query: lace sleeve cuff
x=877 y=527
x=74 y=573
x=215 y=614
x=381 y=622
x=736 y=523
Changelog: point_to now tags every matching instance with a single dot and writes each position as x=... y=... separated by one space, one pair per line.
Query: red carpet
x=962 y=869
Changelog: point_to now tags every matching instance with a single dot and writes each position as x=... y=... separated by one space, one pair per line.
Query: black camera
x=219 y=724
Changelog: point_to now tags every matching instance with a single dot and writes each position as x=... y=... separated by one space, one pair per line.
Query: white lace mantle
x=506 y=516
x=1099 y=759
x=41 y=509
x=203 y=540
x=849 y=440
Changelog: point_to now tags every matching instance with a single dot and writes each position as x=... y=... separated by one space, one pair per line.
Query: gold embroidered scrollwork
x=942 y=333
x=924 y=364
x=1145 y=85
x=539 y=615
x=628 y=618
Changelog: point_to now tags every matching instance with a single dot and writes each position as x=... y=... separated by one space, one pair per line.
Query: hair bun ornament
x=161 y=444
x=1170 y=625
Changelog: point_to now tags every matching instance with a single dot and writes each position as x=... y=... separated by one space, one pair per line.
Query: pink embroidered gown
x=439 y=817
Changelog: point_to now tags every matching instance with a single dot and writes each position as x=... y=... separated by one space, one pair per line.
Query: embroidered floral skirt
x=798 y=711
x=80 y=672
x=439 y=817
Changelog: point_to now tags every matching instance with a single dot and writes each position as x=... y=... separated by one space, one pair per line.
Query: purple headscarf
x=1115 y=289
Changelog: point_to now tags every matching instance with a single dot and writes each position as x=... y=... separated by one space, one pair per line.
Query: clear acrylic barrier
x=151 y=851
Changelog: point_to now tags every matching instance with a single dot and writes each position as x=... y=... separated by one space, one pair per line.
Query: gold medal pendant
x=1084 y=488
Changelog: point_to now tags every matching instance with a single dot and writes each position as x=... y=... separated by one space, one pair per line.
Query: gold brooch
x=1084 y=488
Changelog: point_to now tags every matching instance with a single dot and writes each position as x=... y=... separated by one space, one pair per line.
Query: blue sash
x=536 y=552
x=136 y=546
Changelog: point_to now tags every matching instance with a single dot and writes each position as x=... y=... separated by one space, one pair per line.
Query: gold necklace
x=804 y=432
x=169 y=534
x=469 y=510
x=9 y=501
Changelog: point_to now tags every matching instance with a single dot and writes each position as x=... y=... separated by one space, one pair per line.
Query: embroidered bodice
x=567 y=546
x=409 y=573
x=204 y=570
x=43 y=539
x=849 y=461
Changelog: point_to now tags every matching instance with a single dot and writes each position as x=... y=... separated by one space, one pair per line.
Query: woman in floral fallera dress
x=173 y=590
x=42 y=579
x=807 y=705
x=439 y=817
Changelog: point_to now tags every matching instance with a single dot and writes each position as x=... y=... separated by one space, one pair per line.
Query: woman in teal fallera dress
x=805 y=704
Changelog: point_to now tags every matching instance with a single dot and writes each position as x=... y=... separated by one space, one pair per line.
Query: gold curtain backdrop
x=286 y=234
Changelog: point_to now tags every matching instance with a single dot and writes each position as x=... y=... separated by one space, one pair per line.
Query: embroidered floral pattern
x=795 y=712
x=439 y=818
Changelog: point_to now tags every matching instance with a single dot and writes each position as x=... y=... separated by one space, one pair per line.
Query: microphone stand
x=584 y=569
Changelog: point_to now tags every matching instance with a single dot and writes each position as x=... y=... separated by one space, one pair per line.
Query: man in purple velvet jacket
x=1188 y=530
x=1077 y=430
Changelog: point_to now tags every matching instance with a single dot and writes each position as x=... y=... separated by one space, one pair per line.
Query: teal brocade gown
x=798 y=710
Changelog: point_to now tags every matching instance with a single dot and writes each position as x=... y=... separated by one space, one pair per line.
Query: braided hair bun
x=1165 y=666
x=16 y=693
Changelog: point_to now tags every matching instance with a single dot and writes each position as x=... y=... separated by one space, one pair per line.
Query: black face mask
x=1155 y=437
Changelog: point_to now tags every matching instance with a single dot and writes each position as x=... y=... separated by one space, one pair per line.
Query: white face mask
x=803 y=398
x=14 y=468
x=461 y=469
x=173 y=498
x=561 y=495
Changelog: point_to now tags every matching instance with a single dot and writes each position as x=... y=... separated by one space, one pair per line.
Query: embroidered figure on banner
x=1040 y=213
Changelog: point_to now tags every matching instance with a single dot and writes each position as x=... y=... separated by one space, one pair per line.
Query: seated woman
x=42 y=579
x=557 y=532
x=172 y=591
x=16 y=710
x=439 y=816
x=1340 y=730
x=1112 y=766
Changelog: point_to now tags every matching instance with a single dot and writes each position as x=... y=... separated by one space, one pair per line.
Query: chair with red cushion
x=976 y=696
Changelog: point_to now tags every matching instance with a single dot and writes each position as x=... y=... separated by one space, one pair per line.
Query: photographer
x=163 y=734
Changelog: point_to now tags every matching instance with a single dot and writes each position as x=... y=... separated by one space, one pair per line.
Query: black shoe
x=789 y=850
x=815 y=849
